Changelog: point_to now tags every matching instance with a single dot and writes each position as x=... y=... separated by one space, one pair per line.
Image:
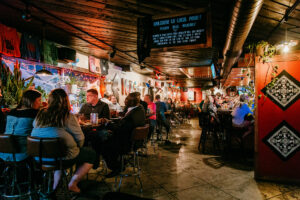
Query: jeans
x=152 y=127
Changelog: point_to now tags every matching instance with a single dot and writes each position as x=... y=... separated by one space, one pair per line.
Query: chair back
x=140 y=133
x=45 y=147
x=9 y=143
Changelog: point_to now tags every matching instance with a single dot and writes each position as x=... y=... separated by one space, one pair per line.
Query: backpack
x=158 y=115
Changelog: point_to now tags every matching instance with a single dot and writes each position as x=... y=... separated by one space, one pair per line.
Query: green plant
x=82 y=97
x=268 y=52
x=72 y=80
x=12 y=84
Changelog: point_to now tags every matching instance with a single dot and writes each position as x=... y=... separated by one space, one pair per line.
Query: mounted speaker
x=66 y=54
x=104 y=66
x=126 y=68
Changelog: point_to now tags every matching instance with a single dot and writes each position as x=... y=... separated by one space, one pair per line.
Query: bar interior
x=136 y=99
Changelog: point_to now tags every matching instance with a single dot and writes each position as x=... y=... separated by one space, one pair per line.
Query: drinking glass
x=94 y=118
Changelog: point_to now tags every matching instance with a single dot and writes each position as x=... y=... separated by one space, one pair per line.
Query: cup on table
x=94 y=118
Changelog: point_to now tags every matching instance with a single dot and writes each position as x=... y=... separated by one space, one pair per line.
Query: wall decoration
x=94 y=65
x=61 y=78
x=126 y=86
x=115 y=86
x=284 y=140
x=28 y=70
x=122 y=86
x=191 y=95
x=284 y=92
x=130 y=87
x=82 y=61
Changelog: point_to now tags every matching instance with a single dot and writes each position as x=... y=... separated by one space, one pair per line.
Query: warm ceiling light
x=286 y=48
x=44 y=72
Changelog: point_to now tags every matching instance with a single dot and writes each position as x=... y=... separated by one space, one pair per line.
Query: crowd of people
x=55 y=120
x=239 y=106
x=112 y=138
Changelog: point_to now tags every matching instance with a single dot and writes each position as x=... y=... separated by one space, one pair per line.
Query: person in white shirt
x=115 y=105
x=105 y=99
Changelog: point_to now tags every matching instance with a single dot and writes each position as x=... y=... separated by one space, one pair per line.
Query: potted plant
x=13 y=85
x=82 y=97
x=71 y=85
x=261 y=46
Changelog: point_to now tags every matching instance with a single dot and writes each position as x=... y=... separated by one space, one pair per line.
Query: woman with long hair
x=19 y=122
x=56 y=121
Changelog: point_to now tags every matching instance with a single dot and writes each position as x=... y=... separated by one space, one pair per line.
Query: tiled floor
x=179 y=171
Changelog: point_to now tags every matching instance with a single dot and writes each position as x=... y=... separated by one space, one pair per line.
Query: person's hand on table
x=102 y=121
x=81 y=122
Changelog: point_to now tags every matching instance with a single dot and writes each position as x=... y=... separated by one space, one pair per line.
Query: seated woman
x=119 y=141
x=56 y=121
x=19 y=122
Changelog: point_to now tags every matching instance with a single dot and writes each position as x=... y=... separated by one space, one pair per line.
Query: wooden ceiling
x=240 y=77
x=270 y=24
x=96 y=27
x=108 y=24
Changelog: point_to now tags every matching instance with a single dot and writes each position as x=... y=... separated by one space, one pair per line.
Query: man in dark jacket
x=120 y=140
x=161 y=108
x=94 y=105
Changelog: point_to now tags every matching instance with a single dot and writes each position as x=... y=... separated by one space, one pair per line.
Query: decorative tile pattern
x=285 y=92
x=284 y=140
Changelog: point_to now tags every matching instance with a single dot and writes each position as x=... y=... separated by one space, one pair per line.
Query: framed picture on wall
x=191 y=95
x=94 y=65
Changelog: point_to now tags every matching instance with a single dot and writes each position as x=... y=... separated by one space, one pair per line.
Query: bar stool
x=48 y=148
x=139 y=135
x=13 y=188
x=209 y=129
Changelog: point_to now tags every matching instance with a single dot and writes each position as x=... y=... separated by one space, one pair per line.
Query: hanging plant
x=12 y=85
x=266 y=52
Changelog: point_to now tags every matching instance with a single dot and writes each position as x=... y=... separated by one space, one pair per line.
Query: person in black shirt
x=94 y=105
x=119 y=139
x=143 y=103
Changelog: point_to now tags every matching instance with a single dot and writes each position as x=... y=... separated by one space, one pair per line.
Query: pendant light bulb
x=286 y=48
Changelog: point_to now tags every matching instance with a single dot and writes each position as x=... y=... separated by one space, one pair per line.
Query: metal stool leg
x=139 y=170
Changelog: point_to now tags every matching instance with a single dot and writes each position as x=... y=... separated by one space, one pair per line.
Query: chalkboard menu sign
x=181 y=30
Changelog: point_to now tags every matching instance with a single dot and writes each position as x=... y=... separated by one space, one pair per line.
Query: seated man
x=94 y=105
x=106 y=99
x=115 y=106
x=118 y=141
x=239 y=114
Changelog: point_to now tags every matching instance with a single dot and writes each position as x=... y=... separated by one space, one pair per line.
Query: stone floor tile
x=179 y=172
x=203 y=192
x=180 y=182
x=293 y=195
